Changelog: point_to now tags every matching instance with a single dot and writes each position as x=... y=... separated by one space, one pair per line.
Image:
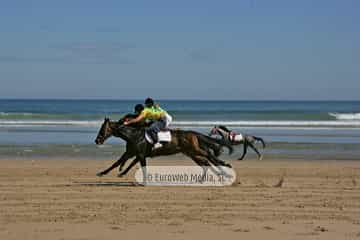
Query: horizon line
x=188 y=99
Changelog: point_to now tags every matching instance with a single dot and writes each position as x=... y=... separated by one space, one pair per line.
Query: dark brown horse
x=194 y=145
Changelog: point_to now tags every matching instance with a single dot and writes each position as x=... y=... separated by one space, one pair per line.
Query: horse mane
x=222 y=127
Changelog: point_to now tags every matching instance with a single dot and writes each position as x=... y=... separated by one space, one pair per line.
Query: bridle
x=102 y=136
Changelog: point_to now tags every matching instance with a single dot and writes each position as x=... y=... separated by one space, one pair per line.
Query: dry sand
x=63 y=199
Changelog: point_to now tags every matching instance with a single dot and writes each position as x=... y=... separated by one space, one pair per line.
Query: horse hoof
x=240 y=159
x=120 y=175
x=260 y=158
x=100 y=174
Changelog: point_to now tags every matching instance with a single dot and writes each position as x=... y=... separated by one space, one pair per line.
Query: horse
x=194 y=145
x=236 y=139
x=205 y=143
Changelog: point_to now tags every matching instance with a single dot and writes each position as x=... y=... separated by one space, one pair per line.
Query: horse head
x=214 y=131
x=110 y=128
x=105 y=132
x=220 y=130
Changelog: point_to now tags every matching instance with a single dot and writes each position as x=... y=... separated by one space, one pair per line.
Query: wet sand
x=287 y=199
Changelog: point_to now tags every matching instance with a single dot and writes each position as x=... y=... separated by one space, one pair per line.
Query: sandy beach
x=63 y=199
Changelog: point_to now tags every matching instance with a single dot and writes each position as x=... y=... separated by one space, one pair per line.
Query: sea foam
x=346 y=116
x=269 y=123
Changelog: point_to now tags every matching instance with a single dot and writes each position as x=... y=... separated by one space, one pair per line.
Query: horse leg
x=257 y=152
x=260 y=140
x=196 y=143
x=219 y=165
x=122 y=164
x=213 y=159
x=121 y=160
x=129 y=148
x=143 y=168
x=203 y=163
x=244 y=151
x=217 y=149
x=121 y=174
x=218 y=171
x=199 y=161
x=207 y=156
x=216 y=161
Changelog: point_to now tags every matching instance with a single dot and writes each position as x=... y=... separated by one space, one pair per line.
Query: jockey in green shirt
x=153 y=112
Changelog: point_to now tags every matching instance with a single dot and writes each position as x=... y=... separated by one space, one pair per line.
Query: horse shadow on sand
x=107 y=184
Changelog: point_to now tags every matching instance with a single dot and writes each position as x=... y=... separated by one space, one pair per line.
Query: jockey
x=137 y=111
x=159 y=117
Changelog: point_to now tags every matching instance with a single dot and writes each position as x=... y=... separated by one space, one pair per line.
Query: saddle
x=235 y=137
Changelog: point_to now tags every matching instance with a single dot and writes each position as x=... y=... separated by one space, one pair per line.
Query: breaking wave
x=289 y=124
x=346 y=116
x=40 y=123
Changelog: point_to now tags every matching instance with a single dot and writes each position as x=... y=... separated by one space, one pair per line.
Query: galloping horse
x=236 y=139
x=194 y=145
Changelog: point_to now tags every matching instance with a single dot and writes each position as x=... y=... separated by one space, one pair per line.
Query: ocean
x=292 y=129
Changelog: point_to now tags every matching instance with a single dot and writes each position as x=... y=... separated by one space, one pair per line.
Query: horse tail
x=210 y=141
x=260 y=140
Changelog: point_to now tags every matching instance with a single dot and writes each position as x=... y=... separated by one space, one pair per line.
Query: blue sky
x=199 y=49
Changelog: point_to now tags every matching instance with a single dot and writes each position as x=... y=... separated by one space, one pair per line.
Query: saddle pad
x=163 y=136
x=236 y=137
